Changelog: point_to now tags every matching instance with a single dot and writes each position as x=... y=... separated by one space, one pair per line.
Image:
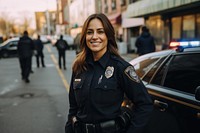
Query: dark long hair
x=80 y=62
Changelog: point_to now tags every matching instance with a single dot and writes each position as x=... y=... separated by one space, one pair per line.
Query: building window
x=123 y=2
x=189 y=26
x=198 y=26
x=99 y=6
x=176 y=28
x=113 y=4
x=156 y=27
x=105 y=6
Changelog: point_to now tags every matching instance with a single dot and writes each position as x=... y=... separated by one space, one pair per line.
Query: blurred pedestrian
x=99 y=81
x=145 y=42
x=25 y=48
x=39 y=52
x=119 y=38
x=62 y=46
x=77 y=43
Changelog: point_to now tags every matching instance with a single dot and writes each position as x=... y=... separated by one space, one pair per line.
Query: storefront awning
x=144 y=7
x=132 y=22
x=115 y=18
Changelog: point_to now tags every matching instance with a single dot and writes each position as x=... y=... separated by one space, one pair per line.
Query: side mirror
x=197 y=93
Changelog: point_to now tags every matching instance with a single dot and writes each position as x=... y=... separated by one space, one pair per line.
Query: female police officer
x=99 y=81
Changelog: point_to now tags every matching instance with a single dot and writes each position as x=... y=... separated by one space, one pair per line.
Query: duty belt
x=91 y=128
x=110 y=125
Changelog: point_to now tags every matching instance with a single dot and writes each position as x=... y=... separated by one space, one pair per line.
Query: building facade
x=168 y=20
x=62 y=17
x=79 y=10
x=46 y=22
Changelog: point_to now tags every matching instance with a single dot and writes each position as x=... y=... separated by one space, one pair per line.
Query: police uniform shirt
x=96 y=95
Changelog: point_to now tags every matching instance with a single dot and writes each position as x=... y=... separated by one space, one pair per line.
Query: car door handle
x=161 y=105
x=198 y=115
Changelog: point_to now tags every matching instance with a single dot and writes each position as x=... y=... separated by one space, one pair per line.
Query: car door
x=12 y=47
x=172 y=89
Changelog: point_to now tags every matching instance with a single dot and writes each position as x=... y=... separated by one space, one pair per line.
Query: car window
x=154 y=67
x=144 y=66
x=13 y=44
x=183 y=73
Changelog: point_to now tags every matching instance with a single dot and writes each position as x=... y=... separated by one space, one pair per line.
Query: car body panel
x=9 y=48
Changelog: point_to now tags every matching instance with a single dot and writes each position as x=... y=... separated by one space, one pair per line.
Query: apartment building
x=79 y=10
x=45 y=22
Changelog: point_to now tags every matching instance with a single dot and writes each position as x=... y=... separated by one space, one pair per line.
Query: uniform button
x=105 y=86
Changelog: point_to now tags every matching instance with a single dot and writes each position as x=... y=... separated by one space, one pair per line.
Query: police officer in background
x=61 y=46
x=39 y=52
x=25 y=49
x=99 y=81
x=145 y=42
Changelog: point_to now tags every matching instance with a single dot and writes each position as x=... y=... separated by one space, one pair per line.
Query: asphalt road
x=39 y=106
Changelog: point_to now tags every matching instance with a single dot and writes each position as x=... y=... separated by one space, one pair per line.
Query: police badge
x=109 y=72
x=130 y=72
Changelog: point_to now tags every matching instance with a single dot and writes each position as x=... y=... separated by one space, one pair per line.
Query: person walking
x=100 y=79
x=39 y=52
x=145 y=42
x=25 y=48
x=77 y=43
x=62 y=46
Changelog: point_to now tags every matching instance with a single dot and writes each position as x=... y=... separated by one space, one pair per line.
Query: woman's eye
x=101 y=32
x=89 y=32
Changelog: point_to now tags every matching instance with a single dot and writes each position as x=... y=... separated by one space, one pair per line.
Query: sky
x=19 y=8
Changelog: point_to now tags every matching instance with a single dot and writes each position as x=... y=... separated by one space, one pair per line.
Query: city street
x=163 y=36
x=40 y=106
x=37 y=107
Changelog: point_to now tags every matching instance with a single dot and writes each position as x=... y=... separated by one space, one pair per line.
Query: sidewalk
x=129 y=56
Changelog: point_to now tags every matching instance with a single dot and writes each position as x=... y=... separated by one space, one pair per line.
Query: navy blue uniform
x=97 y=94
x=145 y=44
x=62 y=46
x=25 y=49
x=39 y=55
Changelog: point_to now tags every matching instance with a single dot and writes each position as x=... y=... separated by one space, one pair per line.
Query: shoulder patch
x=131 y=74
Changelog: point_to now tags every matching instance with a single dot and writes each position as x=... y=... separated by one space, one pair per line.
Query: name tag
x=78 y=80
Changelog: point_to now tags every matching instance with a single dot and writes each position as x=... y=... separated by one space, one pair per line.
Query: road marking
x=48 y=48
x=58 y=69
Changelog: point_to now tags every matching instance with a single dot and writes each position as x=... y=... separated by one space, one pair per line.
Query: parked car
x=9 y=48
x=68 y=38
x=172 y=78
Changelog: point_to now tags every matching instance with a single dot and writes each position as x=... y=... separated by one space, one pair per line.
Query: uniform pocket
x=78 y=91
x=108 y=86
x=106 y=93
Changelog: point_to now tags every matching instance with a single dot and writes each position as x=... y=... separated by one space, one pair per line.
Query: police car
x=9 y=47
x=172 y=78
x=184 y=43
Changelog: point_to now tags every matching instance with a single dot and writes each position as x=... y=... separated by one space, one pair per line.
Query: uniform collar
x=102 y=61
